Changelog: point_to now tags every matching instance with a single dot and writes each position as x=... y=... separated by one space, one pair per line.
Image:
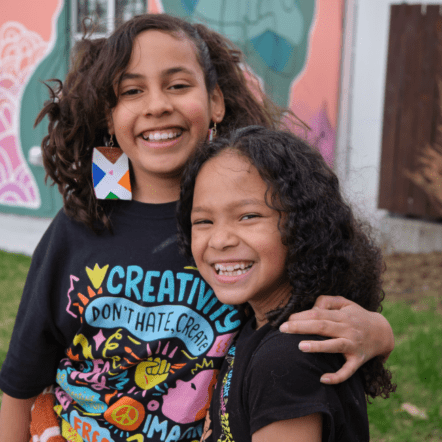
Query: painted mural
x=294 y=47
x=20 y=50
x=27 y=34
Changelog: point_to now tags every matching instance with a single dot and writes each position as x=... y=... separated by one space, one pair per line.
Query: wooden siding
x=411 y=111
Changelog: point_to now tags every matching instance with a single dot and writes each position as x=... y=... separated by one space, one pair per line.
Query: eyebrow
x=235 y=205
x=165 y=73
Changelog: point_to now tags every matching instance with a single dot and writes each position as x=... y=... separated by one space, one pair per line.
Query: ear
x=217 y=105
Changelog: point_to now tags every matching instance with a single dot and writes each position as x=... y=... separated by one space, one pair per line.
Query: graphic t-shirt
x=266 y=379
x=128 y=332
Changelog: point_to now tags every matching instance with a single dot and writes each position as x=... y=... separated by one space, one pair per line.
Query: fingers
x=318 y=314
x=344 y=346
x=331 y=302
x=164 y=366
x=326 y=328
x=347 y=370
x=157 y=366
x=338 y=345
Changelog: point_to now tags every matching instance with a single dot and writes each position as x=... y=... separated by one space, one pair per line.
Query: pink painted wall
x=315 y=93
x=35 y=16
x=154 y=7
x=25 y=32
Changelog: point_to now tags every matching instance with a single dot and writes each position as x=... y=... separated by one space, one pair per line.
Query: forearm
x=384 y=338
x=15 y=419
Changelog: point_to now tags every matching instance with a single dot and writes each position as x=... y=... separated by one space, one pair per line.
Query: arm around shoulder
x=358 y=334
x=15 y=419
x=302 y=429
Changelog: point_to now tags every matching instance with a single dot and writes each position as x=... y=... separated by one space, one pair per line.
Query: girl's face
x=236 y=242
x=163 y=110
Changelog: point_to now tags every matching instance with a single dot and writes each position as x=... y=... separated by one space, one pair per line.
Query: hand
x=357 y=333
x=151 y=373
x=207 y=431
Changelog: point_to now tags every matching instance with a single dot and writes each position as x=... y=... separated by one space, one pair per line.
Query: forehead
x=155 y=47
x=233 y=172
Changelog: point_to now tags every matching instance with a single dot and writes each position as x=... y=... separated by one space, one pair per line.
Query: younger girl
x=128 y=335
x=264 y=219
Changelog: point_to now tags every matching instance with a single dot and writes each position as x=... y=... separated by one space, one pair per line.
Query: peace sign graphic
x=126 y=414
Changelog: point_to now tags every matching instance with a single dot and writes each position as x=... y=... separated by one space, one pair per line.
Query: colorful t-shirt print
x=146 y=357
x=122 y=327
x=226 y=435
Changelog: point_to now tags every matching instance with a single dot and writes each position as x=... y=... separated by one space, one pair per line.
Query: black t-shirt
x=265 y=379
x=129 y=334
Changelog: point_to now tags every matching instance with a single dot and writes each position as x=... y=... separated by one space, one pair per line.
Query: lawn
x=416 y=362
x=13 y=270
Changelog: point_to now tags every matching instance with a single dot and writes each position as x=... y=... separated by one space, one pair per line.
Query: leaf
x=414 y=411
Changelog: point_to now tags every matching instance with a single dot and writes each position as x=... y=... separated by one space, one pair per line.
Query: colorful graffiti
x=20 y=51
x=293 y=47
x=314 y=93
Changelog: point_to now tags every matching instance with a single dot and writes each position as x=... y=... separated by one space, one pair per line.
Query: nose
x=222 y=237
x=157 y=103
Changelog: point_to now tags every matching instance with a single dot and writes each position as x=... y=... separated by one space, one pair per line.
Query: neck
x=158 y=190
x=277 y=299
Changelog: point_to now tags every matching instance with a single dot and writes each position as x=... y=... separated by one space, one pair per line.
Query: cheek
x=198 y=112
x=273 y=249
x=197 y=247
x=122 y=120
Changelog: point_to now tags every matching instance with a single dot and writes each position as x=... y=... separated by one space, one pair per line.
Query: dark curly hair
x=78 y=107
x=329 y=251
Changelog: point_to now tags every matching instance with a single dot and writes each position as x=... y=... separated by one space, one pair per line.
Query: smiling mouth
x=233 y=270
x=161 y=135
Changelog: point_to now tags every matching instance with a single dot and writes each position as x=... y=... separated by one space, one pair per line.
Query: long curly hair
x=329 y=252
x=78 y=107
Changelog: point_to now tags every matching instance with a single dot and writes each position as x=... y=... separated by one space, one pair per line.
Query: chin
x=230 y=298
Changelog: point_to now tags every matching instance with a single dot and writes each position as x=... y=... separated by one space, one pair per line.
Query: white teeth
x=237 y=269
x=157 y=136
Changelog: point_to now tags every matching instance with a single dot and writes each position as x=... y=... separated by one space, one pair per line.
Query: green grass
x=13 y=270
x=416 y=362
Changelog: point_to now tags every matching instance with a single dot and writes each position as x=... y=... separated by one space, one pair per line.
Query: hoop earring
x=211 y=135
x=110 y=173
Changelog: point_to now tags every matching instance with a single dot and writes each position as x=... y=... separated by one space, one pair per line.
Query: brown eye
x=131 y=92
x=250 y=216
x=201 y=221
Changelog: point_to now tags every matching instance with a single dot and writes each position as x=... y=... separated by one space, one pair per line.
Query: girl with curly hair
x=128 y=337
x=263 y=217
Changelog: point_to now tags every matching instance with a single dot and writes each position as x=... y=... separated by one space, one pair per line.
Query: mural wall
x=293 y=47
x=25 y=34
x=20 y=50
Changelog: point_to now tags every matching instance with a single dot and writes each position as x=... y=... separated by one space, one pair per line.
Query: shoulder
x=279 y=351
x=62 y=235
x=284 y=383
x=63 y=224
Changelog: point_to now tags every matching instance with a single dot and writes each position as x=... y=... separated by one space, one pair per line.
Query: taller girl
x=129 y=337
